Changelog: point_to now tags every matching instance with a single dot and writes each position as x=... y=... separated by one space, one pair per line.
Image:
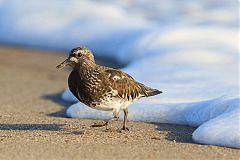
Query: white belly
x=111 y=104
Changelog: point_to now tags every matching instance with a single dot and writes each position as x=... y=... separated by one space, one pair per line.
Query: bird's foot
x=124 y=129
x=100 y=124
x=104 y=123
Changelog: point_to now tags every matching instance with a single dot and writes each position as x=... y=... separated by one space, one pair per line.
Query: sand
x=33 y=124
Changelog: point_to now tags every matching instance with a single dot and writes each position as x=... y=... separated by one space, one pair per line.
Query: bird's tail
x=147 y=91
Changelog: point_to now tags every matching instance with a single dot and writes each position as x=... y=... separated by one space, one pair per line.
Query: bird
x=101 y=87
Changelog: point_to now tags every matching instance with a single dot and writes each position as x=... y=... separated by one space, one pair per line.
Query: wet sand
x=33 y=124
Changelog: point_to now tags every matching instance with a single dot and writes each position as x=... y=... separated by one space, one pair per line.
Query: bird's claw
x=125 y=129
x=99 y=124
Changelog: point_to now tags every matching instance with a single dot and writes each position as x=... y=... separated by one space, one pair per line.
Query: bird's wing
x=72 y=84
x=125 y=85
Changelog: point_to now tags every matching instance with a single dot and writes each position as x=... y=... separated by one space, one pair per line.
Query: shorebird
x=101 y=87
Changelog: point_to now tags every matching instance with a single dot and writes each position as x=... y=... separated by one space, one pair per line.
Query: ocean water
x=187 y=49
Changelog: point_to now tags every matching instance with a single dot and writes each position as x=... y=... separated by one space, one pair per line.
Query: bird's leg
x=125 y=120
x=105 y=123
x=115 y=118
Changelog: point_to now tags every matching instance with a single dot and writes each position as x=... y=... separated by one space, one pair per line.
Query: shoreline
x=34 y=124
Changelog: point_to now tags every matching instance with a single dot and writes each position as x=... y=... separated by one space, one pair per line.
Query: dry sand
x=33 y=123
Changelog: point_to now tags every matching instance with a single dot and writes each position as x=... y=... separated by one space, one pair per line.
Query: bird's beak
x=63 y=64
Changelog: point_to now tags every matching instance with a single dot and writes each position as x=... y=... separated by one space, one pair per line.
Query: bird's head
x=77 y=55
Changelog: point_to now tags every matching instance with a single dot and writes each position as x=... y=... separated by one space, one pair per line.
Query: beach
x=33 y=123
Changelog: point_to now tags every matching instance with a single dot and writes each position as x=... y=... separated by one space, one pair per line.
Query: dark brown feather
x=126 y=86
x=91 y=83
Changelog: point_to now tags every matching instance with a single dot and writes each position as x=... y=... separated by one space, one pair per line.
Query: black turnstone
x=101 y=87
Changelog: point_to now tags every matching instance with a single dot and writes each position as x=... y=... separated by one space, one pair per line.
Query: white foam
x=68 y=96
x=223 y=130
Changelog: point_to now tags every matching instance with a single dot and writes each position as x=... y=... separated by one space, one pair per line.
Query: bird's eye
x=78 y=54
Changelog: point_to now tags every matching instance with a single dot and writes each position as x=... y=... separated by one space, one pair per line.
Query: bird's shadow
x=176 y=133
x=56 y=98
x=31 y=127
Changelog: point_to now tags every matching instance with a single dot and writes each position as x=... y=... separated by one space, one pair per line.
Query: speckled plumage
x=101 y=87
